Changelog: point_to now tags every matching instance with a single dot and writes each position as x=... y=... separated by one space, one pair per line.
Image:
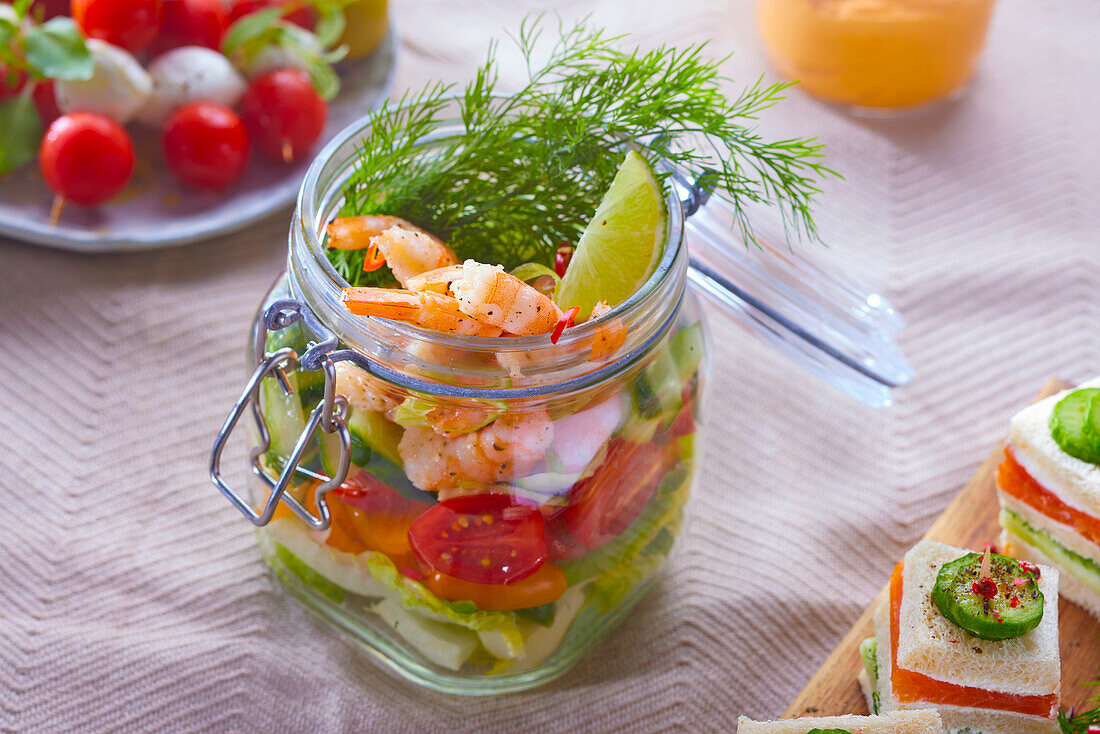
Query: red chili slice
x=564 y=323
x=484 y=538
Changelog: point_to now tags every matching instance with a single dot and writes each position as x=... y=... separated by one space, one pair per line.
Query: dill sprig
x=524 y=172
x=1078 y=722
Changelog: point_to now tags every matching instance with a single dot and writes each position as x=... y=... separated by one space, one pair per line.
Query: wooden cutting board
x=968 y=522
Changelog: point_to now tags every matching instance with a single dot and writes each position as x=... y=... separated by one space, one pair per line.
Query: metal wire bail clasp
x=329 y=415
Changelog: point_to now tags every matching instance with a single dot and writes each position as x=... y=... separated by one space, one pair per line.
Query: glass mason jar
x=554 y=475
x=875 y=54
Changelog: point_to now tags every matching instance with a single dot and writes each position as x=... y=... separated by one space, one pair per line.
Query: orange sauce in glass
x=885 y=54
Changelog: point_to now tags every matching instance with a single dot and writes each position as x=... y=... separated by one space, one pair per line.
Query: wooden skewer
x=288 y=151
x=55 y=209
x=986 y=563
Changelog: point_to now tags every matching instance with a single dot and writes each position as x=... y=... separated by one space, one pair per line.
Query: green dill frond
x=523 y=173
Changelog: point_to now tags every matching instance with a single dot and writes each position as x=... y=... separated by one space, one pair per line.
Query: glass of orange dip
x=877 y=55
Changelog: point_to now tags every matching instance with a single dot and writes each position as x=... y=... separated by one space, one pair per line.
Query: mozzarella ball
x=119 y=86
x=190 y=74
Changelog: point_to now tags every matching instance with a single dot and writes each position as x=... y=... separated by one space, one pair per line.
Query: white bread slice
x=1026 y=665
x=1064 y=534
x=956 y=719
x=1076 y=482
x=898 y=722
x=1068 y=585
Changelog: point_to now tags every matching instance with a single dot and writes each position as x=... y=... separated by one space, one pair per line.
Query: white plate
x=155 y=210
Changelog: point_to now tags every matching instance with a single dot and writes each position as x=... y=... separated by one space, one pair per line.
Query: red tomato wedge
x=369 y=515
x=602 y=506
x=542 y=587
x=1014 y=479
x=483 y=538
x=913 y=687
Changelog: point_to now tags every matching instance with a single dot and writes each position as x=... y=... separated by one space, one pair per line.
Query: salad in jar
x=486 y=302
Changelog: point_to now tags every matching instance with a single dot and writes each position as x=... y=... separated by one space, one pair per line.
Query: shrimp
x=509 y=447
x=407 y=249
x=492 y=296
x=429 y=310
x=608 y=337
x=363 y=390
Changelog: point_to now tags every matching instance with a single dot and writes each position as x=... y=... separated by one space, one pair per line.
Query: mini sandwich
x=973 y=636
x=1049 y=489
x=895 y=722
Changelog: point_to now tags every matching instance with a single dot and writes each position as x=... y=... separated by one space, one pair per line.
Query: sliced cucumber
x=283 y=414
x=311 y=383
x=868 y=652
x=1085 y=570
x=1003 y=604
x=1070 y=424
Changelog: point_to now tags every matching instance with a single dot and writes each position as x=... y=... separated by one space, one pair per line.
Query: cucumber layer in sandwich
x=1026 y=538
x=896 y=722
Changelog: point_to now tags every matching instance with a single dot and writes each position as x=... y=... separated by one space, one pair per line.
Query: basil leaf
x=21 y=7
x=330 y=26
x=56 y=50
x=20 y=132
x=249 y=28
x=323 y=77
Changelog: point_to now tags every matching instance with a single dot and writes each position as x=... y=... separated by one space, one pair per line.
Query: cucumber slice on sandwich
x=1002 y=603
x=1075 y=424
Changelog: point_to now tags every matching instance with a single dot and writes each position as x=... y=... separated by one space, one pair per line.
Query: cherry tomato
x=297 y=12
x=10 y=83
x=45 y=101
x=559 y=543
x=191 y=23
x=603 y=505
x=483 y=538
x=542 y=587
x=129 y=24
x=206 y=145
x=284 y=113
x=368 y=493
x=86 y=158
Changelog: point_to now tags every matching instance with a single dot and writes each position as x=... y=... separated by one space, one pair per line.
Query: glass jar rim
x=314 y=279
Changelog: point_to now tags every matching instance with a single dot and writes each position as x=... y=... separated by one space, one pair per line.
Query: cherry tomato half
x=45 y=101
x=542 y=587
x=484 y=538
x=129 y=24
x=368 y=493
x=284 y=113
x=206 y=145
x=298 y=12
x=191 y=23
x=602 y=506
x=86 y=158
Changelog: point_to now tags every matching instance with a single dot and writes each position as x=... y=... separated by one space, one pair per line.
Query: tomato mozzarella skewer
x=190 y=74
x=85 y=158
x=284 y=113
x=119 y=86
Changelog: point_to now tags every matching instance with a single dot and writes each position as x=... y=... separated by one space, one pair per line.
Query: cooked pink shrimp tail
x=407 y=249
x=429 y=310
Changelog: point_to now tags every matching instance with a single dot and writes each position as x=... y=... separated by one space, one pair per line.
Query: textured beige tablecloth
x=132 y=597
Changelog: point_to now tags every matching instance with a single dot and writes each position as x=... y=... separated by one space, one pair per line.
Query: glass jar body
x=608 y=466
x=875 y=54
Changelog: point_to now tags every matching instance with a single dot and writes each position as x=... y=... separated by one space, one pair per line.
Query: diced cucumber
x=686 y=346
x=373 y=449
x=311 y=383
x=446 y=645
x=657 y=390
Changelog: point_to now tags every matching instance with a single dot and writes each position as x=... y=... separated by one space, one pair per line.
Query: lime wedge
x=621 y=246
